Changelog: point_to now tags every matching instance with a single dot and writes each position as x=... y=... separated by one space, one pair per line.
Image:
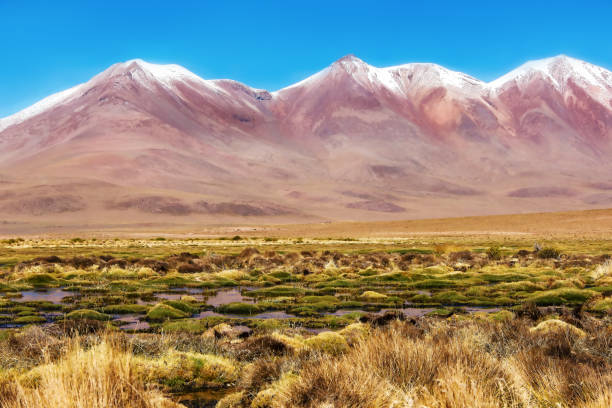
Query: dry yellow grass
x=460 y=364
x=433 y=363
x=101 y=377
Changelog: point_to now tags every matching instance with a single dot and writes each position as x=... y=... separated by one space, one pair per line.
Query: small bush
x=548 y=253
x=494 y=253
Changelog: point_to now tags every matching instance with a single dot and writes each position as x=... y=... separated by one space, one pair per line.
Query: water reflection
x=48 y=295
x=131 y=322
x=226 y=296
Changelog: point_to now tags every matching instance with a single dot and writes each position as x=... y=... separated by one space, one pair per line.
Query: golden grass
x=466 y=364
x=100 y=377
x=431 y=363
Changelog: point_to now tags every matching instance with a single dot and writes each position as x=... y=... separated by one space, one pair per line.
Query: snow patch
x=41 y=106
x=168 y=75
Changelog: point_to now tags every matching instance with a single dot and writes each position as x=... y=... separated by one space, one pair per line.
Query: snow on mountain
x=558 y=70
x=166 y=75
x=147 y=74
x=348 y=141
x=394 y=78
x=41 y=106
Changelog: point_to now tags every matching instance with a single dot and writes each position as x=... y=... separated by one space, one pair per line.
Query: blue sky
x=48 y=46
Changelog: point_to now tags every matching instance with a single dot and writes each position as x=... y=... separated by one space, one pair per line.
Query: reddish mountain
x=143 y=142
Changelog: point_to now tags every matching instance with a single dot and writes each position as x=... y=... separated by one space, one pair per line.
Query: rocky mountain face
x=142 y=142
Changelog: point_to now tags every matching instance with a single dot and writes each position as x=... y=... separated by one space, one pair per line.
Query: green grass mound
x=239 y=308
x=307 y=311
x=327 y=342
x=602 y=305
x=501 y=316
x=178 y=371
x=561 y=296
x=29 y=320
x=433 y=284
x=125 y=309
x=87 y=314
x=283 y=276
x=554 y=326
x=319 y=299
x=41 y=279
x=183 y=306
x=161 y=312
x=372 y=295
x=450 y=298
x=174 y=280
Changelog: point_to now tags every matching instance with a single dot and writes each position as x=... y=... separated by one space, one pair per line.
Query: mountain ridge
x=141 y=140
x=162 y=71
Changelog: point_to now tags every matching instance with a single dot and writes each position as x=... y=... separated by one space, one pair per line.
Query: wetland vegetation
x=265 y=322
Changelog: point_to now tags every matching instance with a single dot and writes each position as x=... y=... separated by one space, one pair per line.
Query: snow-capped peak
x=558 y=70
x=145 y=73
x=393 y=78
x=361 y=72
x=166 y=74
x=349 y=62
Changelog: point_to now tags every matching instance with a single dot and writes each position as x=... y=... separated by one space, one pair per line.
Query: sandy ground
x=571 y=224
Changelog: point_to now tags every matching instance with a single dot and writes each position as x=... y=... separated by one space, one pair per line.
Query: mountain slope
x=142 y=142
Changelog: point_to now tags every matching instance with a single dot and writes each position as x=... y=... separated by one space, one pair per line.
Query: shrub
x=41 y=279
x=439 y=249
x=548 y=253
x=494 y=253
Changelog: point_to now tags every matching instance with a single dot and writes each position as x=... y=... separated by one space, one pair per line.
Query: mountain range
x=141 y=142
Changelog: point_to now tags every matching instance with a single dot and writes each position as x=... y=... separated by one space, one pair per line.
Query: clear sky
x=48 y=46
